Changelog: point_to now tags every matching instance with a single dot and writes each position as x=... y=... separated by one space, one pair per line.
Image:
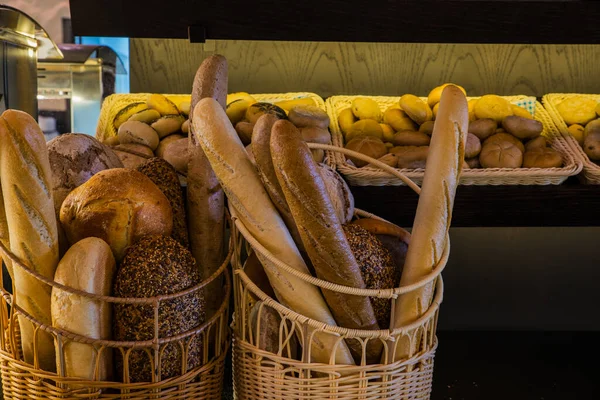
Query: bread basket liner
x=477 y=176
x=591 y=170
x=17 y=375
x=411 y=375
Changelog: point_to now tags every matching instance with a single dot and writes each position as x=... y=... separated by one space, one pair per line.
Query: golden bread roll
x=505 y=137
x=366 y=145
x=138 y=133
x=390 y=159
x=542 y=157
x=411 y=138
x=89 y=266
x=501 y=154
x=411 y=157
x=119 y=206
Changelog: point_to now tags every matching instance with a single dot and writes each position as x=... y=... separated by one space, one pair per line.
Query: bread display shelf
x=452 y=21
x=479 y=176
x=591 y=170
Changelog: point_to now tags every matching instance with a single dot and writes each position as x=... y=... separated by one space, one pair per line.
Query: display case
x=521 y=280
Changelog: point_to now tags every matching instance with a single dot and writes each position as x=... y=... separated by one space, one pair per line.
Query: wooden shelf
x=411 y=21
x=569 y=204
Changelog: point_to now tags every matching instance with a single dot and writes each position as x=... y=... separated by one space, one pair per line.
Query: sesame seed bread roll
x=250 y=203
x=26 y=180
x=434 y=211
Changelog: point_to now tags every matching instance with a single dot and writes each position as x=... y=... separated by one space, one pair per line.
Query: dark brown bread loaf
x=158 y=265
x=165 y=177
x=376 y=266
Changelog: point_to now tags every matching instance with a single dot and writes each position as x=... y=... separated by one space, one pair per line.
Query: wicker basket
x=480 y=176
x=591 y=170
x=259 y=374
x=21 y=380
x=114 y=103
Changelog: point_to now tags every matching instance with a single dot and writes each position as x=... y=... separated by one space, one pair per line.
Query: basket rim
x=572 y=166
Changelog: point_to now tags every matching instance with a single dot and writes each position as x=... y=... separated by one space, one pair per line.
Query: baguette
x=321 y=232
x=4 y=236
x=205 y=198
x=26 y=180
x=250 y=203
x=434 y=212
x=88 y=265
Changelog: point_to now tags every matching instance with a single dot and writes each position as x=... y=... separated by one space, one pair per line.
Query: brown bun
x=411 y=157
x=305 y=116
x=591 y=145
x=128 y=154
x=158 y=265
x=75 y=158
x=473 y=163
x=88 y=265
x=505 y=137
x=539 y=141
x=162 y=146
x=542 y=157
x=177 y=154
x=483 y=128
x=244 y=130
x=427 y=127
x=313 y=134
x=473 y=146
x=411 y=138
x=367 y=145
x=390 y=159
x=522 y=128
x=376 y=267
x=165 y=177
x=119 y=206
x=502 y=154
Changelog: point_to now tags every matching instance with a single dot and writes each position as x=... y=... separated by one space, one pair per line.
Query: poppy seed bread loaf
x=158 y=265
x=165 y=177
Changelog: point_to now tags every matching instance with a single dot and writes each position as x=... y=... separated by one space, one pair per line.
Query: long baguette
x=251 y=203
x=26 y=180
x=205 y=198
x=4 y=236
x=261 y=148
x=321 y=232
x=434 y=211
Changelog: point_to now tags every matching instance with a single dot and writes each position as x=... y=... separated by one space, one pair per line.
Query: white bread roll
x=26 y=180
x=252 y=205
x=434 y=211
x=89 y=266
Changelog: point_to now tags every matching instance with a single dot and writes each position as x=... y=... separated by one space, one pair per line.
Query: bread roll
x=75 y=158
x=178 y=155
x=119 y=206
x=367 y=145
x=434 y=212
x=166 y=268
x=165 y=177
x=505 y=137
x=305 y=116
x=321 y=231
x=205 y=198
x=162 y=145
x=26 y=180
x=411 y=157
x=250 y=203
x=88 y=266
x=542 y=157
x=502 y=154
x=132 y=155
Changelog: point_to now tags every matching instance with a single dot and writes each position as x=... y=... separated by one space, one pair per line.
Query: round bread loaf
x=117 y=205
x=165 y=142
x=165 y=177
x=503 y=154
x=75 y=158
x=376 y=266
x=177 y=154
x=158 y=265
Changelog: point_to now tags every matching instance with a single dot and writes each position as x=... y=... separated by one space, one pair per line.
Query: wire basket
x=367 y=176
x=288 y=372
x=204 y=380
x=591 y=170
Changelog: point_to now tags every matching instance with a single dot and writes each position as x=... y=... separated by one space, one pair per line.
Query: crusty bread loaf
x=434 y=211
x=250 y=203
x=4 y=235
x=205 y=198
x=88 y=265
x=26 y=180
x=165 y=177
x=321 y=231
x=119 y=206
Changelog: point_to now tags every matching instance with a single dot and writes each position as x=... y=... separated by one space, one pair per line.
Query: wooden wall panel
x=169 y=65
